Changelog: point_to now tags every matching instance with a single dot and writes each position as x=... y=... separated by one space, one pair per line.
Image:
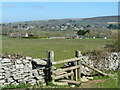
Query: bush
x=113 y=46
x=96 y=53
x=31 y=37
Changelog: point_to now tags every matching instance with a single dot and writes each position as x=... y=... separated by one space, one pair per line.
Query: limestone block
x=26 y=79
x=10 y=80
x=72 y=86
x=25 y=61
x=2 y=81
x=7 y=74
x=29 y=58
x=38 y=77
x=32 y=81
x=39 y=61
x=21 y=81
x=18 y=66
x=16 y=77
x=5 y=60
x=18 y=61
x=1 y=77
x=84 y=79
x=26 y=70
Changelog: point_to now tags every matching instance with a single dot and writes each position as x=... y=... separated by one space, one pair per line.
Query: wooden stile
x=53 y=74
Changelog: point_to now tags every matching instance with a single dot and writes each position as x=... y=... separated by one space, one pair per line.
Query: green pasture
x=63 y=48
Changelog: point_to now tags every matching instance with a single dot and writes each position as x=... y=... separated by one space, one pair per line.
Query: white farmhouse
x=26 y=35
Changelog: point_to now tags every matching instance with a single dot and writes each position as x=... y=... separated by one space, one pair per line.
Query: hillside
x=62 y=27
x=83 y=21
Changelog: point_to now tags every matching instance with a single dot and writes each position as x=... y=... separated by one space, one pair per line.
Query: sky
x=28 y=11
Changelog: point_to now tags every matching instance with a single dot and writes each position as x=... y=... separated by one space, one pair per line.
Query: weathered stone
x=5 y=60
x=25 y=61
x=29 y=58
x=6 y=64
x=72 y=86
x=5 y=84
x=32 y=81
x=15 y=83
x=2 y=81
x=26 y=78
x=91 y=78
x=16 y=77
x=18 y=61
x=40 y=61
x=10 y=80
x=21 y=81
x=84 y=79
x=7 y=74
x=38 y=77
x=1 y=77
x=27 y=70
x=18 y=66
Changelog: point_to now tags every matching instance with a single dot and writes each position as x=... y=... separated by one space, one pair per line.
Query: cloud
x=34 y=6
x=8 y=6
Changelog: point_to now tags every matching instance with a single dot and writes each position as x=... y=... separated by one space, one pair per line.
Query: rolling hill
x=102 y=20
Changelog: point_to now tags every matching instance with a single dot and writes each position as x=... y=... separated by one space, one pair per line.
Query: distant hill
x=103 y=20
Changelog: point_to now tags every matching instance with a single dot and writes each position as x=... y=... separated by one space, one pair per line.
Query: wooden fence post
x=72 y=75
x=50 y=57
x=78 y=73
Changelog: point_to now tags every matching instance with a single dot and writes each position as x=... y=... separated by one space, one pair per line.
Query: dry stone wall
x=19 y=71
x=28 y=70
x=110 y=62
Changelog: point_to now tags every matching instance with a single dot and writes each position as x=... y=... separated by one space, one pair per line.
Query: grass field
x=63 y=48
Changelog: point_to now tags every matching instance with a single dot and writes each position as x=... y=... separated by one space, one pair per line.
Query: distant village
x=68 y=36
x=61 y=27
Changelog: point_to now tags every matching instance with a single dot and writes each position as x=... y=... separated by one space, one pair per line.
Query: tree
x=75 y=25
x=88 y=26
x=26 y=24
x=15 y=27
x=113 y=26
x=23 y=26
x=83 y=32
x=63 y=24
x=88 y=31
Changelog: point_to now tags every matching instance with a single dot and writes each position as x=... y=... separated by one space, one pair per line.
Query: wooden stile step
x=60 y=83
x=70 y=81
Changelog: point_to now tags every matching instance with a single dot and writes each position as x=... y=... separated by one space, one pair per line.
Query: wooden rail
x=94 y=69
x=66 y=69
x=67 y=60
